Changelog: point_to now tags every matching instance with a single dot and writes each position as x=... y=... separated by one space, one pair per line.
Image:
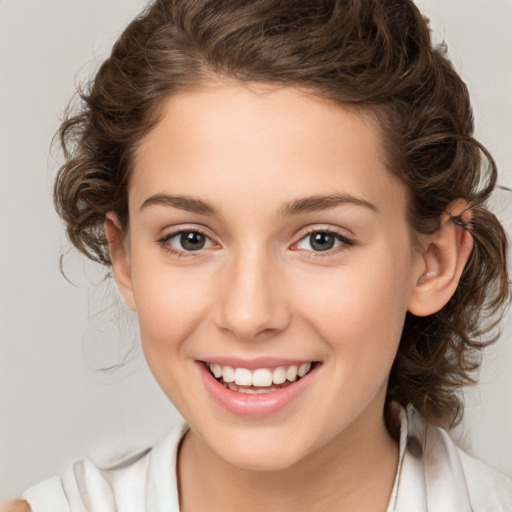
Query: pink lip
x=243 y=404
x=254 y=364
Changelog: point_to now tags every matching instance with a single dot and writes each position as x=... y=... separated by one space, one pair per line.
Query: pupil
x=322 y=241
x=192 y=241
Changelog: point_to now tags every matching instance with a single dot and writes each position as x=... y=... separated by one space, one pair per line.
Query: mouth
x=259 y=381
x=267 y=387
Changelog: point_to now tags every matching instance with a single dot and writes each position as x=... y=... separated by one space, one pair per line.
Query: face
x=269 y=260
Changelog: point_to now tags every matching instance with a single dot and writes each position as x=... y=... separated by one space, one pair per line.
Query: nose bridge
x=253 y=302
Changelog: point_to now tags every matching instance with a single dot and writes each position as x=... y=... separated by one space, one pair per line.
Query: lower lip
x=245 y=404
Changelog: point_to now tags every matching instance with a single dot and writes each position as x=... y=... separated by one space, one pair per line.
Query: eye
x=321 y=241
x=186 y=241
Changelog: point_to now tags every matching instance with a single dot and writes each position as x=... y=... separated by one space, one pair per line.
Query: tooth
x=250 y=390
x=257 y=391
x=291 y=373
x=279 y=375
x=216 y=370
x=262 y=377
x=228 y=374
x=303 y=369
x=243 y=377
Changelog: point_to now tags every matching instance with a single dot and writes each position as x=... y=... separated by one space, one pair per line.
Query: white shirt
x=433 y=475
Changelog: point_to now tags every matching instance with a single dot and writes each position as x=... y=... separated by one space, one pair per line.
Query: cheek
x=170 y=306
x=360 y=310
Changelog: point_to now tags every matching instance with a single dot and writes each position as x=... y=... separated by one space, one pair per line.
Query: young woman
x=290 y=197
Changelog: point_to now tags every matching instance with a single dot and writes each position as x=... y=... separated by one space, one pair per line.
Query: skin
x=259 y=289
x=15 y=506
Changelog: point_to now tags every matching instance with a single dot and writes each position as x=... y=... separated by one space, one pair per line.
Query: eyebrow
x=319 y=203
x=294 y=207
x=187 y=203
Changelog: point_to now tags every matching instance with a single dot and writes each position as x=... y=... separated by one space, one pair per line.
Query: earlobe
x=120 y=258
x=443 y=258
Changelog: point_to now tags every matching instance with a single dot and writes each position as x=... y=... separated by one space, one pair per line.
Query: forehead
x=261 y=144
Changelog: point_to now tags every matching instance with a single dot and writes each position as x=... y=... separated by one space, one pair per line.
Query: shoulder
x=86 y=486
x=48 y=495
x=114 y=483
x=489 y=490
x=435 y=474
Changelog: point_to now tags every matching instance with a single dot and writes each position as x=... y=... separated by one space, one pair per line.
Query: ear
x=442 y=259
x=120 y=258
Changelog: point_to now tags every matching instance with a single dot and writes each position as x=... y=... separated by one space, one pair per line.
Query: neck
x=355 y=471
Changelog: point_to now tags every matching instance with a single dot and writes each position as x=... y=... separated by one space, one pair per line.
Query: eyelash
x=346 y=243
x=164 y=243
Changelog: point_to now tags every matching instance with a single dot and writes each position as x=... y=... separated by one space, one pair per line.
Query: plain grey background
x=54 y=407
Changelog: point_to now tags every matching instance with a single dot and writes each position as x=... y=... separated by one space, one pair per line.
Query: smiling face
x=267 y=237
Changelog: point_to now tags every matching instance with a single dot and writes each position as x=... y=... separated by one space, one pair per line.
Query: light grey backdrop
x=53 y=407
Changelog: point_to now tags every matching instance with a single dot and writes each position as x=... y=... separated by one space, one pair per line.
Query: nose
x=253 y=301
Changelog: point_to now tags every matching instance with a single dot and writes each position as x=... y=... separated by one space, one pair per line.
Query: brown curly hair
x=375 y=55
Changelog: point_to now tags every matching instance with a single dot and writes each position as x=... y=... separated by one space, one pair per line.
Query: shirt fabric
x=433 y=475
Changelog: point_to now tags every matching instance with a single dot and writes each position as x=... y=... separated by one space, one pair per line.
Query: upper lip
x=253 y=364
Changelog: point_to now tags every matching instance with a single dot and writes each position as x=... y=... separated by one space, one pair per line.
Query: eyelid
x=164 y=239
x=346 y=241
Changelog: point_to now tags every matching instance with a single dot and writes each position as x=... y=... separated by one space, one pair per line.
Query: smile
x=260 y=390
x=260 y=380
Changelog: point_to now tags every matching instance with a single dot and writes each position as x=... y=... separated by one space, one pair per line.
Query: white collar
x=430 y=476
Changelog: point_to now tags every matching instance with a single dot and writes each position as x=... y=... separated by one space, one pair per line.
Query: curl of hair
x=374 y=55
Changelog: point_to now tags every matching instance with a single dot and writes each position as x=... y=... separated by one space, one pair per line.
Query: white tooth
x=291 y=373
x=228 y=374
x=279 y=375
x=243 y=377
x=262 y=377
x=303 y=369
x=216 y=370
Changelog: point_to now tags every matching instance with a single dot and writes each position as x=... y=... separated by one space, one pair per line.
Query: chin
x=258 y=461
x=261 y=452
